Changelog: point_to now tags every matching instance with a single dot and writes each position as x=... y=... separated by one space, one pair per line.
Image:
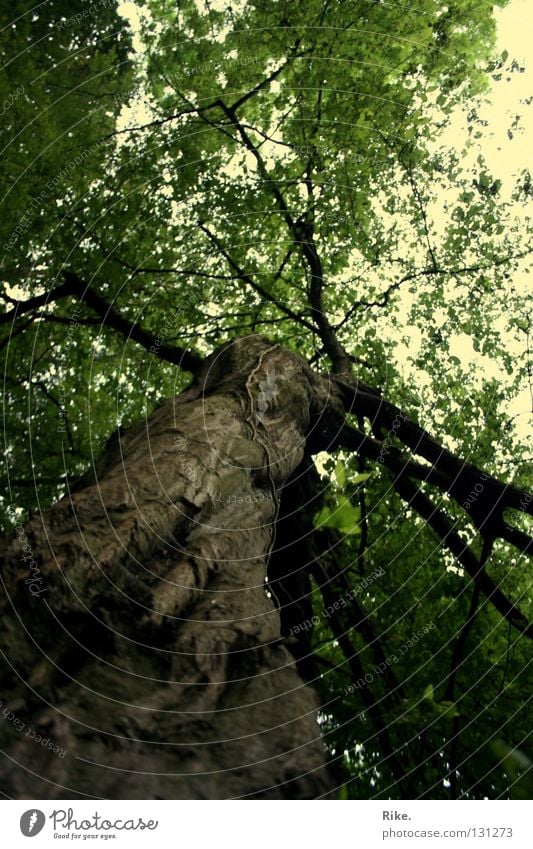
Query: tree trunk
x=141 y=650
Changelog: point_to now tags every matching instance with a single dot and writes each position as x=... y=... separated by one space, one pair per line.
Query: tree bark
x=138 y=636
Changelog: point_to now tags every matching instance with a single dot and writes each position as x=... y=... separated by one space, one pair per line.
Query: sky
x=515 y=34
x=507 y=157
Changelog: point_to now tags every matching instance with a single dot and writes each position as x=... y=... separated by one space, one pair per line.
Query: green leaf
x=429 y=693
x=344 y=517
x=361 y=477
x=340 y=473
x=447 y=709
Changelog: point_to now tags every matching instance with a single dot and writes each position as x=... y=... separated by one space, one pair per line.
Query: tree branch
x=443 y=528
x=482 y=495
x=253 y=285
x=427 y=272
x=436 y=519
x=110 y=317
x=33 y=303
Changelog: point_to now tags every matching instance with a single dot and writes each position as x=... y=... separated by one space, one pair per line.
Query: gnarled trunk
x=138 y=635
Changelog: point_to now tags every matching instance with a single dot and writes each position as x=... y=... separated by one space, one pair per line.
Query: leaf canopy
x=184 y=163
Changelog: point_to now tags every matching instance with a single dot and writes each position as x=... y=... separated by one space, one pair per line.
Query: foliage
x=183 y=183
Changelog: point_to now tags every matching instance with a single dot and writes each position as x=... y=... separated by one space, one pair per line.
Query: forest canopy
x=181 y=176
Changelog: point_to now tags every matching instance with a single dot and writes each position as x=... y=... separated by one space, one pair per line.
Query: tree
x=290 y=535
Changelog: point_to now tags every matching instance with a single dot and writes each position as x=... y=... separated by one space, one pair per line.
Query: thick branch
x=482 y=495
x=31 y=304
x=443 y=528
x=110 y=317
x=437 y=521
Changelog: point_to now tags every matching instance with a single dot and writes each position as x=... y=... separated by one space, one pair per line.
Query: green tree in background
x=266 y=523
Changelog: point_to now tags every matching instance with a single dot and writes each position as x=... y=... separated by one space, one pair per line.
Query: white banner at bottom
x=259 y=825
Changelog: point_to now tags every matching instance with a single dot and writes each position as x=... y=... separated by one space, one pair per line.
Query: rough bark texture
x=137 y=634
